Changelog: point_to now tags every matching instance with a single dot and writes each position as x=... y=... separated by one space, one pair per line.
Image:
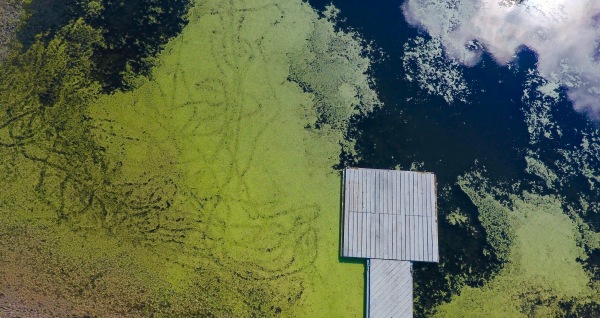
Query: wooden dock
x=390 y=288
x=390 y=214
x=390 y=218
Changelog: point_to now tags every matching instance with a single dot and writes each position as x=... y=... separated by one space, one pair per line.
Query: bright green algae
x=213 y=196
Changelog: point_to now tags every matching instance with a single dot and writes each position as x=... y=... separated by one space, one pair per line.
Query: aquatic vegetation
x=494 y=217
x=11 y=12
x=336 y=80
x=541 y=271
x=548 y=268
x=134 y=32
x=425 y=63
x=202 y=191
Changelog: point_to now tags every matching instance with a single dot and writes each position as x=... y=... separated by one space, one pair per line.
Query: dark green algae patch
x=204 y=190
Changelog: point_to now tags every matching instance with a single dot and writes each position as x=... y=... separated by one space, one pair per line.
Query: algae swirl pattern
x=204 y=189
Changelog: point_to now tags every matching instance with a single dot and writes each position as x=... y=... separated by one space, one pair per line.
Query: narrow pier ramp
x=390 y=218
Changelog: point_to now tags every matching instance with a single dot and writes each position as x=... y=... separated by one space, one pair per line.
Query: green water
x=206 y=190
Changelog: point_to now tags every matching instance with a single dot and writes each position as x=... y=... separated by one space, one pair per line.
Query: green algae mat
x=208 y=190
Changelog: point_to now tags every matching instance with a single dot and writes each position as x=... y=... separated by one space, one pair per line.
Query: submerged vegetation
x=543 y=228
x=540 y=270
x=169 y=158
x=205 y=190
x=134 y=32
x=11 y=12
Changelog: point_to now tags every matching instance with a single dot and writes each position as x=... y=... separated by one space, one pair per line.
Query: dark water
x=451 y=140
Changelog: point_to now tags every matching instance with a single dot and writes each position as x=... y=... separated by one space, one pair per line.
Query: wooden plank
x=398 y=191
x=402 y=189
x=407 y=237
x=412 y=194
x=413 y=248
x=396 y=236
x=390 y=289
x=408 y=213
x=376 y=235
x=368 y=234
x=367 y=212
x=382 y=238
x=378 y=208
x=430 y=256
x=357 y=235
x=428 y=192
x=372 y=215
x=357 y=191
x=405 y=246
x=345 y=213
x=435 y=241
x=431 y=207
x=352 y=237
x=370 y=190
x=393 y=236
x=389 y=182
x=347 y=209
x=349 y=181
x=403 y=194
x=383 y=191
x=365 y=233
x=365 y=193
x=417 y=238
x=421 y=188
x=400 y=235
x=388 y=236
x=392 y=191
x=427 y=228
x=357 y=203
x=373 y=234
x=378 y=192
x=351 y=190
x=435 y=222
x=357 y=243
x=423 y=237
x=417 y=210
x=422 y=231
x=394 y=175
x=357 y=198
x=420 y=236
x=350 y=234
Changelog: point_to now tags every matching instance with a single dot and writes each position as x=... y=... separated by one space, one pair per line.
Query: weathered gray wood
x=423 y=234
x=434 y=219
x=428 y=240
x=387 y=239
x=393 y=236
x=390 y=215
x=368 y=240
x=365 y=239
x=390 y=289
x=374 y=220
x=383 y=225
x=347 y=208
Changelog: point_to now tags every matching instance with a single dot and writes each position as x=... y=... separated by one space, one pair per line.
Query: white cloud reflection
x=564 y=33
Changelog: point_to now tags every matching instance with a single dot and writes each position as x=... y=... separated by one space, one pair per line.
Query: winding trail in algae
x=216 y=197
